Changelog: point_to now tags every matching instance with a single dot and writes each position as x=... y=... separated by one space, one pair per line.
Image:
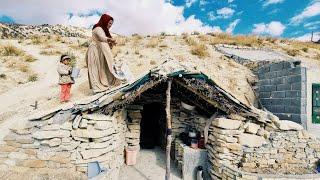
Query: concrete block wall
x=282 y=90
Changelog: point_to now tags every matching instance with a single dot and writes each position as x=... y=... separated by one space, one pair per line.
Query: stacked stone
x=181 y=119
x=290 y=152
x=133 y=125
x=223 y=145
x=66 y=142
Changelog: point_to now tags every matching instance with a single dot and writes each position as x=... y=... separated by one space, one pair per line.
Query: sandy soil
x=16 y=102
x=150 y=166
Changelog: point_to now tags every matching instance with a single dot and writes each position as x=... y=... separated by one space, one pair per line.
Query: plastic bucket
x=131 y=156
x=75 y=72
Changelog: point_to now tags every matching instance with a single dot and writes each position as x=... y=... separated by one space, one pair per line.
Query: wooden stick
x=169 y=131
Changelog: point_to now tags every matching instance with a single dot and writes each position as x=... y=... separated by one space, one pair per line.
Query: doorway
x=153 y=126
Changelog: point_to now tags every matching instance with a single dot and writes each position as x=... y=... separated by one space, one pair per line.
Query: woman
x=99 y=58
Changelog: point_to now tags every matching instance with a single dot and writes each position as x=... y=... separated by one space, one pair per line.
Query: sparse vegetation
x=10 y=50
x=29 y=58
x=200 y=50
x=36 y=40
x=85 y=44
x=115 y=51
x=33 y=78
x=223 y=38
x=305 y=49
x=317 y=57
x=23 y=67
x=190 y=41
x=136 y=51
x=50 y=52
x=3 y=76
x=153 y=62
x=292 y=52
x=153 y=42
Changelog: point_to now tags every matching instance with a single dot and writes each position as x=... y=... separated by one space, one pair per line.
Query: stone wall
x=133 y=126
x=282 y=90
x=66 y=141
x=274 y=147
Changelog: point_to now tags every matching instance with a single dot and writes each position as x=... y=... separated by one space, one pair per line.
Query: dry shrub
x=115 y=51
x=223 y=38
x=38 y=40
x=121 y=41
x=305 y=49
x=29 y=58
x=50 y=52
x=190 y=41
x=153 y=42
x=153 y=62
x=203 y=37
x=33 y=78
x=136 y=51
x=317 y=57
x=200 y=50
x=23 y=67
x=163 y=46
x=10 y=50
x=3 y=76
x=292 y=52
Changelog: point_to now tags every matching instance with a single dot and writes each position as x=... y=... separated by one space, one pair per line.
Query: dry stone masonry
x=47 y=143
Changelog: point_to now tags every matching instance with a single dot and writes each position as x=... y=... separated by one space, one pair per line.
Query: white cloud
x=274 y=28
x=312 y=10
x=307 y=37
x=225 y=12
x=312 y=25
x=269 y=2
x=232 y=25
x=190 y=2
x=230 y=1
x=137 y=16
x=212 y=16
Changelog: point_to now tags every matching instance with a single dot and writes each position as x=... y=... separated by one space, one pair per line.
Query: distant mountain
x=21 y=31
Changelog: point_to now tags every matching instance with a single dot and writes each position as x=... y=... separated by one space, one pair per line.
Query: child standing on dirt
x=65 y=79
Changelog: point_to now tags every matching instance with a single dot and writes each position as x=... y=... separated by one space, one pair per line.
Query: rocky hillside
x=22 y=31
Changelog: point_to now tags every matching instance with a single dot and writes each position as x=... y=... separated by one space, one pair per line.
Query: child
x=65 y=79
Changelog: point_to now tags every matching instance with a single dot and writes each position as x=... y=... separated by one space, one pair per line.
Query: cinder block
x=296 y=86
x=283 y=72
x=266 y=101
x=278 y=80
x=277 y=109
x=283 y=116
x=294 y=79
x=267 y=88
x=264 y=82
x=278 y=94
x=276 y=67
x=292 y=109
x=286 y=65
x=293 y=94
x=283 y=87
x=296 y=118
x=264 y=95
x=295 y=71
x=270 y=75
x=295 y=101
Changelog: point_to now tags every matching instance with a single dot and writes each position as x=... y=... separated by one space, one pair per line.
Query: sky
x=277 y=18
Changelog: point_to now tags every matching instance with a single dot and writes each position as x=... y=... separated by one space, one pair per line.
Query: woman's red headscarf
x=103 y=23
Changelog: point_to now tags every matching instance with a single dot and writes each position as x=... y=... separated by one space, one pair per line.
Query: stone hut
x=242 y=142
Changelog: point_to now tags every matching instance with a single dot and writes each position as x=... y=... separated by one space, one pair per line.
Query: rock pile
x=133 y=126
x=280 y=147
x=67 y=141
x=22 y=31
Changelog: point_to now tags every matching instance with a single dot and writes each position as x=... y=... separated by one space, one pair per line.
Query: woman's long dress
x=100 y=63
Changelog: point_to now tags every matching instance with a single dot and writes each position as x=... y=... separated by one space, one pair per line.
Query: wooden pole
x=169 y=131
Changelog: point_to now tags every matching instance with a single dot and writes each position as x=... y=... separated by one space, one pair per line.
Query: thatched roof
x=182 y=74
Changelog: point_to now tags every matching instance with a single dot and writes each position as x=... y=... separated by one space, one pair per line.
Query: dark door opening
x=152 y=126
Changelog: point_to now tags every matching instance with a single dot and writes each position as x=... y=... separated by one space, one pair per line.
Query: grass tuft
x=200 y=50
x=33 y=78
x=10 y=50
x=29 y=58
